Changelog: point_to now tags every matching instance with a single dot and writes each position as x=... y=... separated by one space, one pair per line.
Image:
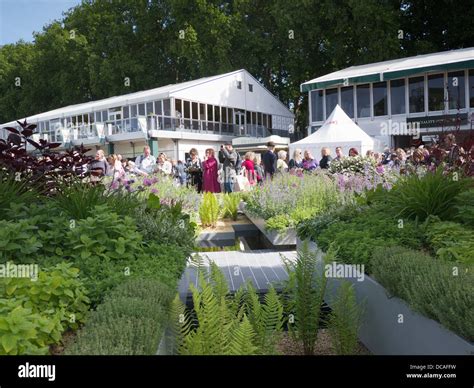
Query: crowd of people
x=222 y=172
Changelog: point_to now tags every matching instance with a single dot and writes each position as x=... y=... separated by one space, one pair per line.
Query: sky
x=20 y=18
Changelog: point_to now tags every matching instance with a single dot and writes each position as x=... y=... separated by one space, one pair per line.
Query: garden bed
x=277 y=238
x=391 y=327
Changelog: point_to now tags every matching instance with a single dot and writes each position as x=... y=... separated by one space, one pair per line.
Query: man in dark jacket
x=269 y=160
x=230 y=162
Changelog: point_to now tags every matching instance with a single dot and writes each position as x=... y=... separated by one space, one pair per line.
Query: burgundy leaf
x=33 y=143
x=11 y=129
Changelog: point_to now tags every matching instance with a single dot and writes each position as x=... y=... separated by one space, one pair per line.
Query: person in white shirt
x=164 y=165
x=145 y=164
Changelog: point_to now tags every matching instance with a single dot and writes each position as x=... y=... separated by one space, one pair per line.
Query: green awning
x=389 y=75
x=446 y=66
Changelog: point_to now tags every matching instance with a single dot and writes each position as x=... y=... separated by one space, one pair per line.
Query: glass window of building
x=347 y=100
x=416 y=94
x=224 y=115
x=158 y=108
x=230 y=115
x=254 y=118
x=217 y=113
x=91 y=118
x=187 y=110
x=456 y=88
x=317 y=105
x=105 y=115
x=363 y=100
x=178 y=107
x=194 y=110
x=239 y=84
x=98 y=118
x=397 y=96
x=331 y=100
x=126 y=112
x=202 y=112
x=471 y=88
x=250 y=88
x=379 y=90
x=149 y=108
x=141 y=109
x=133 y=111
x=167 y=107
x=436 y=92
x=210 y=113
x=249 y=118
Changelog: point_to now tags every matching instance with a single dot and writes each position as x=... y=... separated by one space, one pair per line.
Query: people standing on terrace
x=326 y=158
x=145 y=164
x=353 y=152
x=98 y=167
x=164 y=165
x=339 y=154
x=281 y=162
x=309 y=163
x=249 y=165
x=210 y=168
x=194 y=170
x=230 y=163
x=269 y=160
x=297 y=161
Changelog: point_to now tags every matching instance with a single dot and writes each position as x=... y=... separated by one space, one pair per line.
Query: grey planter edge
x=276 y=238
x=391 y=327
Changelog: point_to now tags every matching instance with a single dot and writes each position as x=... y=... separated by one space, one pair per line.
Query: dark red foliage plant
x=42 y=167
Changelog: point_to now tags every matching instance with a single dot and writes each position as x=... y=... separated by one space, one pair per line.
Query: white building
x=202 y=113
x=393 y=100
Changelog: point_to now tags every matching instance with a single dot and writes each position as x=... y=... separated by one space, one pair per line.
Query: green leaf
x=9 y=342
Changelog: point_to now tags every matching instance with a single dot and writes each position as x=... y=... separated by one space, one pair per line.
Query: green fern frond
x=242 y=338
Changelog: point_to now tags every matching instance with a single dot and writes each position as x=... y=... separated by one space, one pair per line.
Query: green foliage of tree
x=90 y=52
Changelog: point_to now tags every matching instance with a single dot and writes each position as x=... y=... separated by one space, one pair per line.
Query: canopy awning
x=398 y=68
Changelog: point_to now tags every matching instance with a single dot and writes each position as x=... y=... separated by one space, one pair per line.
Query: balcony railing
x=143 y=124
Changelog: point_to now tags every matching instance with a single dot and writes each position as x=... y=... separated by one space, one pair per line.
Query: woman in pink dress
x=249 y=166
x=210 y=167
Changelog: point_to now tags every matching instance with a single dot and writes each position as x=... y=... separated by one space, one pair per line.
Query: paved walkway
x=261 y=267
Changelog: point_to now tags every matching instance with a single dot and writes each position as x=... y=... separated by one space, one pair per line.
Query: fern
x=221 y=324
x=304 y=295
x=242 y=339
x=345 y=320
x=209 y=210
x=231 y=205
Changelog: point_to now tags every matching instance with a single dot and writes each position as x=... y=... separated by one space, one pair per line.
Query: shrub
x=23 y=331
x=44 y=167
x=78 y=200
x=464 y=204
x=293 y=197
x=129 y=322
x=13 y=191
x=57 y=289
x=353 y=165
x=209 y=210
x=357 y=238
x=18 y=241
x=451 y=241
x=416 y=196
x=438 y=290
x=224 y=325
x=165 y=224
x=231 y=205
x=345 y=320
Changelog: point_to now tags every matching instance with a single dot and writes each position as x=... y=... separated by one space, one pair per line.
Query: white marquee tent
x=338 y=130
